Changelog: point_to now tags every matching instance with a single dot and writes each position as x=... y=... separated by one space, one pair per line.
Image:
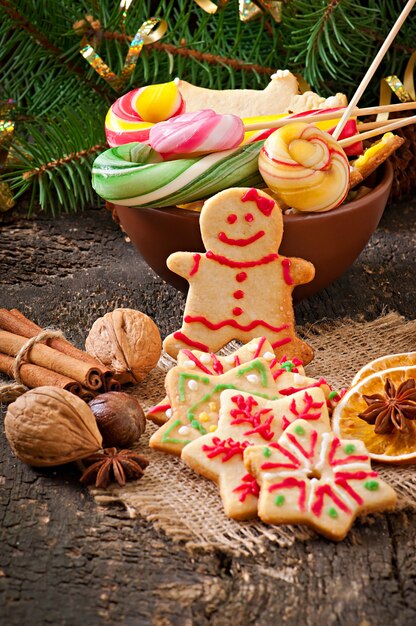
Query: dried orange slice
x=405 y=359
x=396 y=447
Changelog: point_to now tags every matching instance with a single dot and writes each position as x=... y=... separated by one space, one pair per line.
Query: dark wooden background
x=63 y=560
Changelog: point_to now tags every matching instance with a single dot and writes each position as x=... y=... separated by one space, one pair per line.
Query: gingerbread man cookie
x=314 y=478
x=247 y=420
x=241 y=286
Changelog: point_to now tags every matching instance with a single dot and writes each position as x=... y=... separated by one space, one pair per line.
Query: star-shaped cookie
x=214 y=365
x=194 y=399
x=246 y=420
x=314 y=478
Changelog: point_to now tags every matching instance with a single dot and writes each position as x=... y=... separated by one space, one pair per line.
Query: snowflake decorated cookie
x=241 y=287
x=314 y=478
x=246 y=420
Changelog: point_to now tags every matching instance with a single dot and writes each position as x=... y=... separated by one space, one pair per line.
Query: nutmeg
x=49 y=426
x=120 y=419
x=127 y=342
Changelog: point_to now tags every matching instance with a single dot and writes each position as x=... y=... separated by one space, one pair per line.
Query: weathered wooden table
x=63 y=560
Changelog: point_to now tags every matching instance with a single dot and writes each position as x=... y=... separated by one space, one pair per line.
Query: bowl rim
x=385 y=181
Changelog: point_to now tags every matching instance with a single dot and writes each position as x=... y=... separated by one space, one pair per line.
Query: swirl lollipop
x=132 y=116
x=197 y=133
x=305 y=167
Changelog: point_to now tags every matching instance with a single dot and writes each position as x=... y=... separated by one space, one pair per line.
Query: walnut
x=127 y=342
x=49 y=426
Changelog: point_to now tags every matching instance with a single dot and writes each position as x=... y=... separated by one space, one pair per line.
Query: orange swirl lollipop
x=305 y=167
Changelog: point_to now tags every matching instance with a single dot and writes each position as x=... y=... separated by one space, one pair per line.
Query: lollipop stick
x=370 y=72
x=405 y=121
x=332 y=115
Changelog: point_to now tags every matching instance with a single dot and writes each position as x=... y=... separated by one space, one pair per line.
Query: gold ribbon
x=208 y=6
x=6 y=136
x=405 y=91
x=150 y=31
x=247 y=10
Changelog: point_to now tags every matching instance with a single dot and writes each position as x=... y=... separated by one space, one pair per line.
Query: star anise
x=110 y=466
x=391 y=410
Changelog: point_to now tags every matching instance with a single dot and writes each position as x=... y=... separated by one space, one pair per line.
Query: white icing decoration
x=183 y=430
x=193 y=385
x=344 y=496
x=189 y=364
x=325 y=440
x=205 y=358
x=353 y=467
x=299 y=455
x=252 y=347
x=230 y=358
x=168 y=413
x=269 y=356
x=298 y=379
x=313 y=484
x=271 y=475
x=253 y=378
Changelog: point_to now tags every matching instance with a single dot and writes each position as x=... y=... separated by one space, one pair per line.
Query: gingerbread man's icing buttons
x=240 y=251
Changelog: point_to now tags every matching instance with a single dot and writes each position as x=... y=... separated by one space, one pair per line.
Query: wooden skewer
x=404 y=121
x=371 y=70
x=333 y=115
x=370 y=125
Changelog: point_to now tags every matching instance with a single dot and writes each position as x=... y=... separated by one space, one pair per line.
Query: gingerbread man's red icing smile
x=241 y=287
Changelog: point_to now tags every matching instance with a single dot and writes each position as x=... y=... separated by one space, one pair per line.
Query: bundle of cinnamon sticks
x=59 y=363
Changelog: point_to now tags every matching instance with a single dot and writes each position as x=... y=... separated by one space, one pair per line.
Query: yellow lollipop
x=156 y=103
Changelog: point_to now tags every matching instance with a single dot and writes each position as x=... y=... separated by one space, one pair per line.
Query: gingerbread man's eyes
x=232 y=218
x=249 y=217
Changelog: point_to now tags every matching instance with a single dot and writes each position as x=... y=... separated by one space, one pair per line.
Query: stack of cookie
x=260 y=428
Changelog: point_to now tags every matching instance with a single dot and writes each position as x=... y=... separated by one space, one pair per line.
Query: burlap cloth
x=187 y=506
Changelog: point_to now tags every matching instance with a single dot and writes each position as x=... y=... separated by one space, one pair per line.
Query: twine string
x=9 y=392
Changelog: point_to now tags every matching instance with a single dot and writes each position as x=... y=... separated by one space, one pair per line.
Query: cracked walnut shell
x=127 y=342
x=49 y=426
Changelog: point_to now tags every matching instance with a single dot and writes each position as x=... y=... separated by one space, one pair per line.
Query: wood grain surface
x=64 y=560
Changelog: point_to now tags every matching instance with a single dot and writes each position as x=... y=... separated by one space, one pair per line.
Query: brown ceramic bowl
x=331 y=241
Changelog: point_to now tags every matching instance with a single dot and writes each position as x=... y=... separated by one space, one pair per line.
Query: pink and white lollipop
x=197 y=133
x=132 y=116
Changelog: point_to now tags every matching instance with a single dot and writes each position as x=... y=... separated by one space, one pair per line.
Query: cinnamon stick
x=34 y=376
x=51 y=359
x=14 y=321
x=87 y=395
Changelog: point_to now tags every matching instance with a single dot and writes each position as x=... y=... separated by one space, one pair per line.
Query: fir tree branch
x=23 y=23
x=185 y=51
x=212 y=59
x=73 y=156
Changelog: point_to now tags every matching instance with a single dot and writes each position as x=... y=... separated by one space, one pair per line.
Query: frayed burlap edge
x=187 y=507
